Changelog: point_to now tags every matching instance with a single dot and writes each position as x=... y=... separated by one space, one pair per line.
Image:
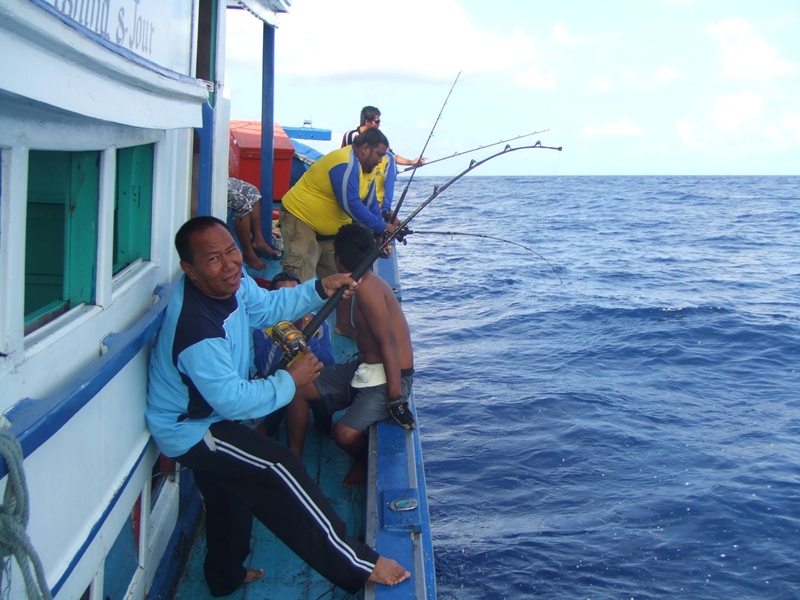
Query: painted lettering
x=135 y=28
x=143 y=30
x=92 y=14
x=121 y=29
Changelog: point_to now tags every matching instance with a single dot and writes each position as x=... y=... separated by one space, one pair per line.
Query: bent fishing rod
x=488 y=237
x=430 y=162
x=421 y=154
x=372 y=256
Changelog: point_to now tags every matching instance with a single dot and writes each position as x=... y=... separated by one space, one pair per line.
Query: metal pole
x=267 y=137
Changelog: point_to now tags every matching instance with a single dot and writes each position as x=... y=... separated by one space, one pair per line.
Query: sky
x=626 y=87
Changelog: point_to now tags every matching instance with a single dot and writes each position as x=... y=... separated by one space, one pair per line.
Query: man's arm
x=409 y=163
x=265 y=308
x=389 y=181
x=346 y=181
x=209 y=367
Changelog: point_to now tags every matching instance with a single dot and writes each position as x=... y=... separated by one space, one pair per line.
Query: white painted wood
x=105 y=227
x=14 y=170
x=75 y=73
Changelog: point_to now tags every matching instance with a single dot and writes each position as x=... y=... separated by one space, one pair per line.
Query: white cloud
x=745 y=54
x=691 y=135
x=655 y=79
x=600 y=84
x=773 y=133
x=425 y=40
x=731 y=112
x=533 y=78
x=622 y=128
x=562 y=37
x=664 y=75
x=791 y=122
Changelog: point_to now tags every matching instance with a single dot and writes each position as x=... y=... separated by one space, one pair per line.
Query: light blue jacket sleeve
x=265 y=307
x=219 y=367
x=211 y=369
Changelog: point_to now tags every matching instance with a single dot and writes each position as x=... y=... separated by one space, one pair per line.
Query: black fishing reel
x=399 y=234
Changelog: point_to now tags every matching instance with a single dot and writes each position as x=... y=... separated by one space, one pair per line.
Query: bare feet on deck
x=253 y=261
x=253 y=575
x=388 y=572
x=264 y=250
x=357 y=475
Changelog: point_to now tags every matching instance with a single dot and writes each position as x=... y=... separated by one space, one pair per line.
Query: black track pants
x=242 y=474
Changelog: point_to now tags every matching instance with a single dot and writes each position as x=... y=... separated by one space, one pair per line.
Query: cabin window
x=61 y=233
x=133 y=205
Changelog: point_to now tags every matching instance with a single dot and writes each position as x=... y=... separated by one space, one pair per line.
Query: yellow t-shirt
x=334 y=192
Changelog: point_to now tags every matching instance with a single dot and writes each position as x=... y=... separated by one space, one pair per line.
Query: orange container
x=244 y=157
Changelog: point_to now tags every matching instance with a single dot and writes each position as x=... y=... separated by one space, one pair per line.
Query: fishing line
x=430 y=162
x=421 y=154
x=372 y=256
x=489 y=237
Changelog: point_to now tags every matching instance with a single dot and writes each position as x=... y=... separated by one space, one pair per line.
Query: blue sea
x=613 y=412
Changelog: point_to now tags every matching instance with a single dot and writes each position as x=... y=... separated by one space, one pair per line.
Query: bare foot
x=357 y=475
x=255 y=575
x=265 y=250
x=253 y=261
x=388 y=572
x=346 y=330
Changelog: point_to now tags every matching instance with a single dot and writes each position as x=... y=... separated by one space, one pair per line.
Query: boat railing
x=398 y=522
x=36 y=420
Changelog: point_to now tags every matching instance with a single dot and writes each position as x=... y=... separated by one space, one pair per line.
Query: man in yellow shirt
x=337 y=189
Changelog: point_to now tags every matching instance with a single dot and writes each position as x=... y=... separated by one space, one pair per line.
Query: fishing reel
x=399 y=234
x=289 y=339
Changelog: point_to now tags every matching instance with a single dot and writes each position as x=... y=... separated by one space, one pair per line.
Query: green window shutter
x=81 y=242
x=133 y=205
x=61 y=233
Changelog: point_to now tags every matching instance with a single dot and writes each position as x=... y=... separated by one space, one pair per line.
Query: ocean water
x=632 y=430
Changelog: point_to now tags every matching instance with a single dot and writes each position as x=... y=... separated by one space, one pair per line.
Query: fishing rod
x=292 y=341
x=372 y=256
x=421 y=154
x=430 y=162
x=488 y=237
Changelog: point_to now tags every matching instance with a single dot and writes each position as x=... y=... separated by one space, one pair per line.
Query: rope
x=14 y=514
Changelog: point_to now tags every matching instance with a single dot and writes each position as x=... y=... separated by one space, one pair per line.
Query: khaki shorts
x=304 y=254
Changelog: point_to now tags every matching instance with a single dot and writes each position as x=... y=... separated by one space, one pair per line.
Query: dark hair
x=369 y=113
x=372 y=136
x=285 y=276
x=352 y=243
x=183 y=239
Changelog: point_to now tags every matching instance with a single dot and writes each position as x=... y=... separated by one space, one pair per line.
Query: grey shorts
x=241 y=197
x=365 y=406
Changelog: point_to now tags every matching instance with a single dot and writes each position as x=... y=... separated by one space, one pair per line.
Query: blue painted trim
x=98 y=524
x=206 y=135
x=117 y=49
x=308 y=133
x=33 y=422
x=267 y=132
x=395 y=532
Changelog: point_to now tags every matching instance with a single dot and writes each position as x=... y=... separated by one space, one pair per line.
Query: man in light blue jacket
x=198 y=392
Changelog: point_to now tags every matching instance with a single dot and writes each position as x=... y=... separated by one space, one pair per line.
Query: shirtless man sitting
x=374 y=387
